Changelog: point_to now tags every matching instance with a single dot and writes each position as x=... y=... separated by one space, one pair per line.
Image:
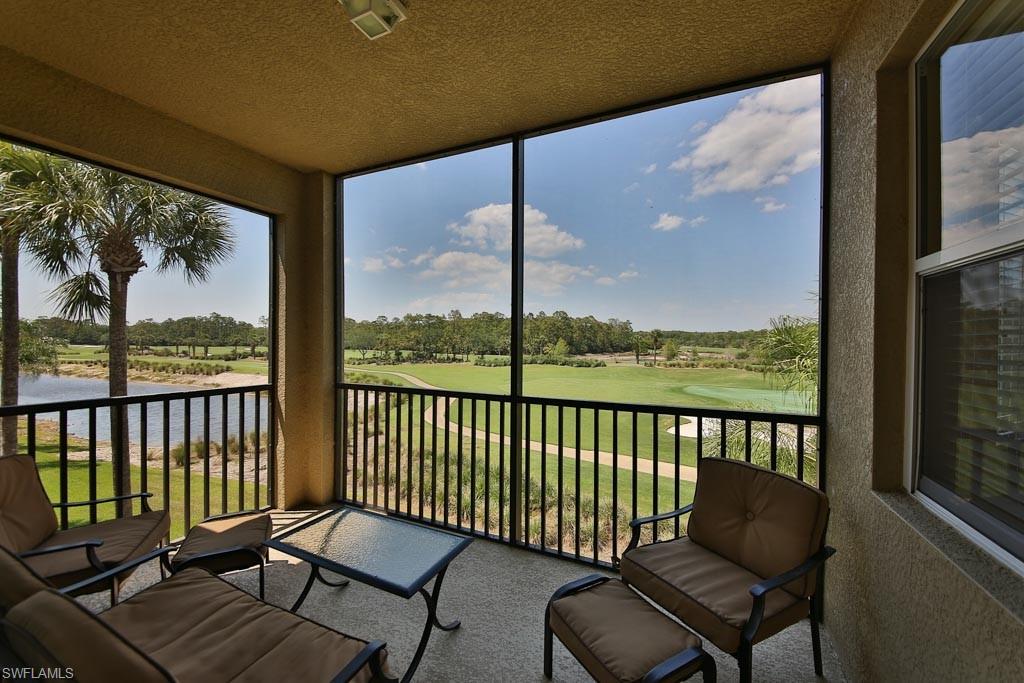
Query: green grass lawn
x=98 y=353
x=48 y=462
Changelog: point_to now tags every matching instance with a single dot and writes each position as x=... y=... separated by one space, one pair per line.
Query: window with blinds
x=971 y=213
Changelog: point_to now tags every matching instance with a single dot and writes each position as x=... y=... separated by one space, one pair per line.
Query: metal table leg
x=314 y=575
x=431 y=623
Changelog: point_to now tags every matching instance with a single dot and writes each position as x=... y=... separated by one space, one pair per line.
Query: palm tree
x=94 y=229
x=19 y=168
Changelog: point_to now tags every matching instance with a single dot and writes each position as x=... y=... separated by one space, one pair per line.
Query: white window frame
x=978 y=249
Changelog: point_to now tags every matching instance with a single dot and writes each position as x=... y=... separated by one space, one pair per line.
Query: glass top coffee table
x=391 y=554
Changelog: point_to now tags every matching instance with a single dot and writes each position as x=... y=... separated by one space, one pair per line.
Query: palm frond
x=82 y=296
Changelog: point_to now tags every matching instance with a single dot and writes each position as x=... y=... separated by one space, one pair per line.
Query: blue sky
x=700 y=216
x=239 y=288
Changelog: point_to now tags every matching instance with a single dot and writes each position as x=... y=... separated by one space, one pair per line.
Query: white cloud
x=667 y=222
x=551 y=277
x=765 y=139
x=442 y=303
x=372 y=264
x=468 y=269
x=628 y=275
x=491 y=227
x=699 y=220
x=419 y=259
x=699 y=126
x=605 y=281
x=394 y=262
x=395 y=250
x=648 y=170
x=631 y=187
x=348 y=260
x=770 y=204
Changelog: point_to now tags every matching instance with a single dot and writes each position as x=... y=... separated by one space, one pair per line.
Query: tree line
x=189 y=332
x=428 y=337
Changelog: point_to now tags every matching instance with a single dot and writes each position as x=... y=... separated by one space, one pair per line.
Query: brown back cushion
x=761 y=520
x=26 y=515
x=49 y=629
x=17 y=581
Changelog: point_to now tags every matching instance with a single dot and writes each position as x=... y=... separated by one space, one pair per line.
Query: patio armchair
x=192 y=626
x=747 y=567
x=28 y=527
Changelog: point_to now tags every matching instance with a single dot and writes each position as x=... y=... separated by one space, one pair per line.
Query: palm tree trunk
x=11 y=340
x=117 y=364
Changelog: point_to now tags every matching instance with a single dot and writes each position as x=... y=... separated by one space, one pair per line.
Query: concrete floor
x=499 y=593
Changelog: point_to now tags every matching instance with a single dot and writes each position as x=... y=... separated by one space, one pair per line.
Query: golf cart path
x=643 y=465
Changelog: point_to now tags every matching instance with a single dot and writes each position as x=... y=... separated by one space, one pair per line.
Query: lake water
x=51 y=388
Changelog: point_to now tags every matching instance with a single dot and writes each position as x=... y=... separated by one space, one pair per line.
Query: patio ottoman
x=226 y=543
x=619 y=637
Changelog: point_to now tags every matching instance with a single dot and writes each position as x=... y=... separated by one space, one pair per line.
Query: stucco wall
x=898 y=607
x=45 y=106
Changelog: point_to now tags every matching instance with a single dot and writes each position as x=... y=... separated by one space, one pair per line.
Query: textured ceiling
x=293 y=80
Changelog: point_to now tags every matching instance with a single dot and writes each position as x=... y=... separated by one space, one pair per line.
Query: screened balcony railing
x=582 y=471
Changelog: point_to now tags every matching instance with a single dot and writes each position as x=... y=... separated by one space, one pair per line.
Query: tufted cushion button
x=750 y=516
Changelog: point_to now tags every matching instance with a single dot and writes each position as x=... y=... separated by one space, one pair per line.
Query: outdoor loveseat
x=28 y=527
x=747 y=567
x=193 y=626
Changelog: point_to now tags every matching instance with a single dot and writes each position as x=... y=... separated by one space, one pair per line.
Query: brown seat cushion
x=764 y=521
x=617 y=635
x=51 y=630
x=248 y=531
x=706 y=591
x=18 y=581
x=202 y=628
x=26 y=515
x=123 y=540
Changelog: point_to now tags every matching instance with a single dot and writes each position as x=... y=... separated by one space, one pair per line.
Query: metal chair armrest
x=674 y=665
x=368 y=655
x=116 y=571
x=762 y=588
x=89 y=545
x=100 y=501
x=636 y=524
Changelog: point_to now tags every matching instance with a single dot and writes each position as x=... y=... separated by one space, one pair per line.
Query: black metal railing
x=588 y=467
x=191 y=449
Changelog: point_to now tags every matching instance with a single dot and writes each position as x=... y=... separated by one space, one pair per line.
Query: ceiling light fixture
x=374 y=18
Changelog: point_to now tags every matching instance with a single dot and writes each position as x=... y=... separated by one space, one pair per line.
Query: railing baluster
x=224 y=453
x=655 y=479
x=636 y=484
x=501 y=469
x=167 y=457
x=256 y=446
x=32 y=434
x=366 y=443
x=487 y=467
x=409 y=448
x=241 y=451
x=615 y=483
x=800 y=451
x=355 y=445
x=459 y=462
x=344 y=464
x=387 y=449
x=675 y=477
x=597 y=481
x=376 y=445
x=458 y=468
x=775 y=444
x=398 y=451
x=206 y=457
x=746 y=440
x=472 y=469
x=700 y=438
x=92 y=464
x=433 y=457
x=543 y=476
x=578 y=500
x=561 y=495
x=423 y=418
x=448 y=469
x=526 y=464
x=187 y=474
x=143 y=448
x=63 y=459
